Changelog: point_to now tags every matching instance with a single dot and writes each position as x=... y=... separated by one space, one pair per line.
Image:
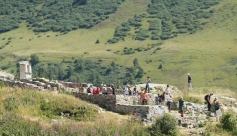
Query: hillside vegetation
x=198 y=39
x=28 y=112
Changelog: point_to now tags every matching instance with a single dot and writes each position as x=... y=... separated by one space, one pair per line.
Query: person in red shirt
x=145 y=98
x=94 y=91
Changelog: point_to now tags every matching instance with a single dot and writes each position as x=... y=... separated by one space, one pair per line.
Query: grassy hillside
x=209 y=55
x=28 y=112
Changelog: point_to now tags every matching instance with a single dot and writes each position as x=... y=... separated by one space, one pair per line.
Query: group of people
x=215 y=105
x=103 y=89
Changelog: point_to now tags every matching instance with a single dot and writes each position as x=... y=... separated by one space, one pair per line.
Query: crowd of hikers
x=163 y=99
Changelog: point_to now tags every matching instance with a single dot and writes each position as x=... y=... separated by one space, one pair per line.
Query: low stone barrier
x=148 y=113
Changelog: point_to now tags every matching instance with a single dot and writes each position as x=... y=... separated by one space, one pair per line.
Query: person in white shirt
x=104 y=89
x=169 y=101
x=126 y=90
x=167 y=90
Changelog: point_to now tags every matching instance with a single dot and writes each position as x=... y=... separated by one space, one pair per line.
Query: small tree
x=97 y=41
x=165 y=125
x=160 y=66
x=34 y=59
x=228 y=122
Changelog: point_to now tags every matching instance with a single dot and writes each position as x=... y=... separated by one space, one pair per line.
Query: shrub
x=228 y=122
x=165 y=125
x=160 y=66
x=2 y=84
x=97 y=41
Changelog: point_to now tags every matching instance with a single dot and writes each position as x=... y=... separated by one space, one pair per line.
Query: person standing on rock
x=208 y=98
x=181 y=106
x=167 y=90
x=148 y=80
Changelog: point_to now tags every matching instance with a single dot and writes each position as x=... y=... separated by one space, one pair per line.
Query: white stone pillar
x=26 y=68
x=30 y=69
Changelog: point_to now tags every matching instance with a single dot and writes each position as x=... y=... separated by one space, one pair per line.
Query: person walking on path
x=181 y=106
x=189 y=81
x=208 y=98
x=148 y=80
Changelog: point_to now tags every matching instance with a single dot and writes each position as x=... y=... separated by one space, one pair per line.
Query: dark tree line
x=55 y=15
x=167 y=18
x=81 y=70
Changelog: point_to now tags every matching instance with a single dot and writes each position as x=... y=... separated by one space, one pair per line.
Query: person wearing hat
x=104 y=89
x=181 y=106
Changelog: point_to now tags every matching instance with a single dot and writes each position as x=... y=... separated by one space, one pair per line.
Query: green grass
x=29 y=112
x=207 y=55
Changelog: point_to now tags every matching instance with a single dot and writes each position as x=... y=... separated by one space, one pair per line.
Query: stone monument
x=25 y=70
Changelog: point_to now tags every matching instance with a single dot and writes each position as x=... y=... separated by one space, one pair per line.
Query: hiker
x=144 y=98
x=216 y=109
x=208 y=98
x=147 y=88
x=135 y=90
x=113 y=90
x=169 y=102
x=129 y=90
x=90 y=89
x=189 y=81
x=126 y=90
x=163 y=99
x=158 y=99
x=167 y=90
x=104 y=89
x=101 y=87
x=109 y=90
x=181 y=106
x=96 y=90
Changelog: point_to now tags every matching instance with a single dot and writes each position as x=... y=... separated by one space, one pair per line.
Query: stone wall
x=124 y=105
x=106 y=101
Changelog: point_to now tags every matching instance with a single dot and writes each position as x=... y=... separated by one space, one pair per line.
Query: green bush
x=165 y=125
x=228 y=122
x=2 y=84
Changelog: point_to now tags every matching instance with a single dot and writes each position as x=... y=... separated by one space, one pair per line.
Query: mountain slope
x=209 y=55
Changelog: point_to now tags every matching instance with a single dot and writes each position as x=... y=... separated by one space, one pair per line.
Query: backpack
x=88 y=90
x=206 y=97
x=217 y=106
